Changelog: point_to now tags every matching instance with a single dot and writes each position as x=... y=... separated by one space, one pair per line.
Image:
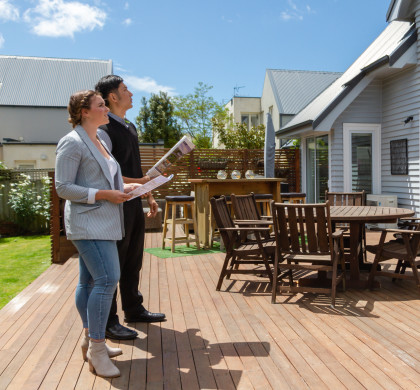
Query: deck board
x=232 y=339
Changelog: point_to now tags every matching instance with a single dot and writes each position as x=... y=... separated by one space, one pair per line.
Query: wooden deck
x=217 y=340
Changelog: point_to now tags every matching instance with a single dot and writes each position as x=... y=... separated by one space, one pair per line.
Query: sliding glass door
x=316 y=168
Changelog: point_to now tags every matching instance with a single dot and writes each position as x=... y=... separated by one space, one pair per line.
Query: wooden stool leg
x=165 y=225
x=173 y=227
x=186 y=226
x=197 y=241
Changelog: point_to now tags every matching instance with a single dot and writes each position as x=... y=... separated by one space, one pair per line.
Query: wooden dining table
x=356 y=217
x=205 y=189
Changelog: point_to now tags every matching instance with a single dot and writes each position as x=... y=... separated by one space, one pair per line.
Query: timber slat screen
x=205 y=163
x=200 y=163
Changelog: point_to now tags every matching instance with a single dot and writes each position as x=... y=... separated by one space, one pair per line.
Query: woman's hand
x=128 y=187
x=113 y=196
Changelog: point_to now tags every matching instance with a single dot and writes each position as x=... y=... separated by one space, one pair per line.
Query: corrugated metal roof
x=384 y=45
x=47 y=82
x=294 y=89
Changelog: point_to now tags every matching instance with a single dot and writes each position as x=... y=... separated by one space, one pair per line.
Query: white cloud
x=285 y=15
x=59 y=18
x=295 y=12
x=8 y=11
x=127 y=21
x=119 y=68
x=1 y=41
x=292 y=5
x=126 y=5
x=147 y=84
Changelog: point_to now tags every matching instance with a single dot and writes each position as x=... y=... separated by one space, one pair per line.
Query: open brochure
x=181 y=148
x=149 y=186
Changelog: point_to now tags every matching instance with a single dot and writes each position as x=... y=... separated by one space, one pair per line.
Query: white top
x=112 y=165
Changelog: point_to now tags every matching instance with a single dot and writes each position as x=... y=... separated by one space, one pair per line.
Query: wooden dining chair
x=348 y=199
x=245 y=207
x=405 y=248
x=305 y=241
x=240 y=253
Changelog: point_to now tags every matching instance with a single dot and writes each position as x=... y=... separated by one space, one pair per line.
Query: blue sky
x=172 y=45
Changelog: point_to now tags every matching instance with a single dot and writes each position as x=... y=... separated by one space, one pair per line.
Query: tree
x=156 y=120
x=238 y=136
x=195 y=112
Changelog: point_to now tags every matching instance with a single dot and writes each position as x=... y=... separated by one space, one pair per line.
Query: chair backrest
x=245 y=207
x=303 y=228
x=346 y=198
x=223 y=219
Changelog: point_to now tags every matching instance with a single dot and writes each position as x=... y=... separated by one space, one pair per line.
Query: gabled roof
x=47 y=82
x=385 y=50
x=294 y=89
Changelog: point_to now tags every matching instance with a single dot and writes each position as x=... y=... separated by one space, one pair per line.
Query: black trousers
x=130 y=251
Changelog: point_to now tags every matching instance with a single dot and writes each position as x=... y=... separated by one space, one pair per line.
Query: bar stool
x=264 y=201
x=293 y=197
x=171 y=219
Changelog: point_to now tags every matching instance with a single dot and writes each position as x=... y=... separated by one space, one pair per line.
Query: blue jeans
x=98 y=278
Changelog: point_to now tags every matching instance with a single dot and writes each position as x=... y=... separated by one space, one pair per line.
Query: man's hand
x=153 y=207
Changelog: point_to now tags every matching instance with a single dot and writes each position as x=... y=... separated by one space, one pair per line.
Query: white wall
x=268 y=100
x=34 y=124
x=42 y=156
x=401 y=99
x=366 y=108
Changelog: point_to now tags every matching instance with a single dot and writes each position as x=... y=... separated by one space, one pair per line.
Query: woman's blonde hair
x=78 y=101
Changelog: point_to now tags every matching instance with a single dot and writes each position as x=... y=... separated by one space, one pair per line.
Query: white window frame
x=362 y=128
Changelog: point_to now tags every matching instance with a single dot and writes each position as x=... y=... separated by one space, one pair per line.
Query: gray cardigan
x=80 y=166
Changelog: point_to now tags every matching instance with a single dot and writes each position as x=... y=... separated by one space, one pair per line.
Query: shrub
x=27 y=202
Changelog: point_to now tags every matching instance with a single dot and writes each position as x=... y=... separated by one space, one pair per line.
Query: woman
x=90 y=180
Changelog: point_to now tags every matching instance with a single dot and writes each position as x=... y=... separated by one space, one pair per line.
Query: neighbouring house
x=285 y=93
x=362 y=132
x=34 y=93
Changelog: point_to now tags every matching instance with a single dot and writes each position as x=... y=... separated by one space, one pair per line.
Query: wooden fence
x=201 y=163
x=205 y=163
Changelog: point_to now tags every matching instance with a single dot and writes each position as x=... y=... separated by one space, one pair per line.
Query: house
x=34 y=93
x=362 y=132
x=285 y=93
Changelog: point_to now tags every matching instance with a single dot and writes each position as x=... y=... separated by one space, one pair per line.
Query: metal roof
x=294 y=89
x=47 y=82
x=395 y=36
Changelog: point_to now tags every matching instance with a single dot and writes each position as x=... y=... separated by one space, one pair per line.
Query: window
x=361 y=157
x=25 y=164
x=251 y=120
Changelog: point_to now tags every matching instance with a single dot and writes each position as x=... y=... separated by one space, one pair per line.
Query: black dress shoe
x=119 y=332
x=145 y=316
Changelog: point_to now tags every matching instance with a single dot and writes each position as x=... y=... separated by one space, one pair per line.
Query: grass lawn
x=22 y=260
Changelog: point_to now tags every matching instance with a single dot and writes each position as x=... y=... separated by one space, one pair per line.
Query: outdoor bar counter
x=205 y=189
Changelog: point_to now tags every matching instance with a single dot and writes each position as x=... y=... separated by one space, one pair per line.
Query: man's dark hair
x=108 y=84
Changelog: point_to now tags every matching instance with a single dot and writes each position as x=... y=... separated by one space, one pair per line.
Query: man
x=121 y=136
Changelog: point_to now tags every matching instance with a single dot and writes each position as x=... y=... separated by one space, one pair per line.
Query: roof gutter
x=294 y=127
